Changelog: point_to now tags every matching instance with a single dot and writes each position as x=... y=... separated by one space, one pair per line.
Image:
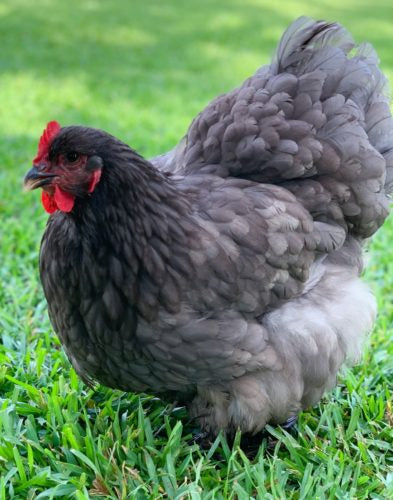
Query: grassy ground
x=142 y=70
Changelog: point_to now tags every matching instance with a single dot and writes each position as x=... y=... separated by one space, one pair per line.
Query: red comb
x=52 y=129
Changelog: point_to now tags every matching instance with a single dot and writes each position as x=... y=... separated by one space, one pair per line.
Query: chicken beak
x=36 y=178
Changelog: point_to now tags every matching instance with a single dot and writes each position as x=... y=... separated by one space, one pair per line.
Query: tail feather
x=318 y=114
x=303 y=39
x=351 y=72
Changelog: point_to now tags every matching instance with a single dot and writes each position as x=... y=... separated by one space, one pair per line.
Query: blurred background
x=142 y=69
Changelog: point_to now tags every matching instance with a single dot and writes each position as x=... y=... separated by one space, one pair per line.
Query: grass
x=142 y=70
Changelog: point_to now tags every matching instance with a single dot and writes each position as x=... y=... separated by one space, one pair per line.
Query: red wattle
x=64 y=201
x=48 y=202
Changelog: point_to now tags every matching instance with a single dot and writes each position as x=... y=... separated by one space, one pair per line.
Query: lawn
x=142 y=70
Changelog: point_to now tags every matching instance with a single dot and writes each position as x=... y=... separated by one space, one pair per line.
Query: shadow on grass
x=112 y=41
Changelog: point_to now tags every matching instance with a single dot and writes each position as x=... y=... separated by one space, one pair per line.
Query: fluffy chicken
x=225 y=273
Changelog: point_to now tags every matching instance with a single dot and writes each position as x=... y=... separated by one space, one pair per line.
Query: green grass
x=142 y=70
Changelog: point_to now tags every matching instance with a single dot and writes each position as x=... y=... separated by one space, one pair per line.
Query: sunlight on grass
x=142 y=70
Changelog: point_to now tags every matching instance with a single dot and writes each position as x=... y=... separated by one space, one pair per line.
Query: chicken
x=224 y=274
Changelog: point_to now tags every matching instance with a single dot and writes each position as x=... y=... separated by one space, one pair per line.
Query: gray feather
x=228 y=275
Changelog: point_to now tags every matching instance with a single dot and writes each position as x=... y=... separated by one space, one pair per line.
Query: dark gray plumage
x=225 y=273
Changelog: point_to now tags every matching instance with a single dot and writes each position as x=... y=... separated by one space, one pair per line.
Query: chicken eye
x=72 y=157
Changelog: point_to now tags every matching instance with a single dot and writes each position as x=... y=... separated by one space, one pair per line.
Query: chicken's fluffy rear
x=316 y=121
x=226 y=274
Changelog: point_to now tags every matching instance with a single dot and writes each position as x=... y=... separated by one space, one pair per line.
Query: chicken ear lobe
x=95 y=165
x=95 y=179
